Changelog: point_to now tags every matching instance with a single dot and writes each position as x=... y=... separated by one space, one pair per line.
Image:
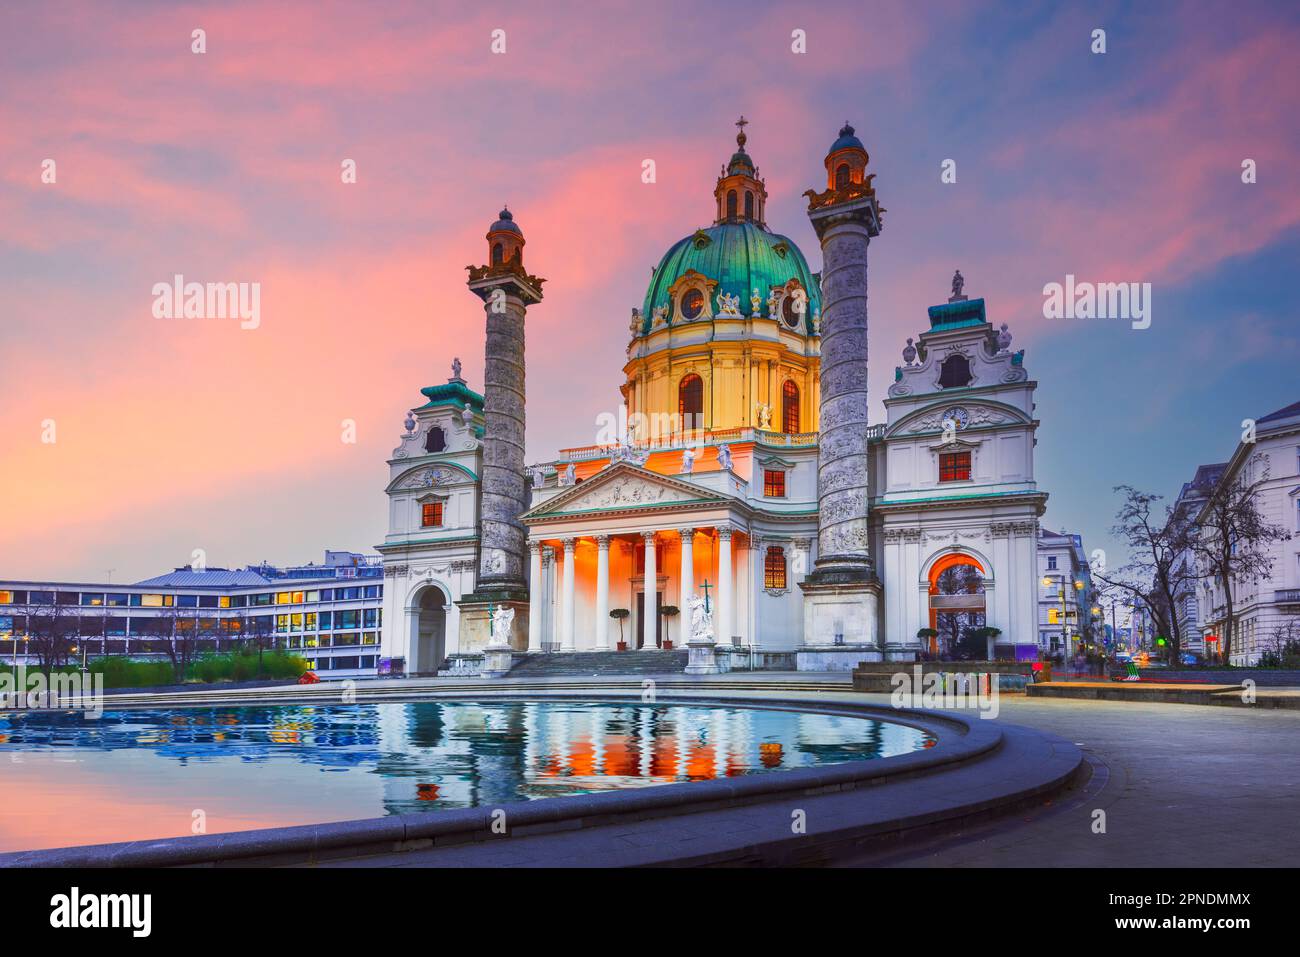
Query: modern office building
x=330 y=613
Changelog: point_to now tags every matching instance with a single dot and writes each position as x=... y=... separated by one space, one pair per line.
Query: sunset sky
x=225 y=166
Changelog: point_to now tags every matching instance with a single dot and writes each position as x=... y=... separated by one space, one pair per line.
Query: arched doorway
x=957 y=607
x=429 y=632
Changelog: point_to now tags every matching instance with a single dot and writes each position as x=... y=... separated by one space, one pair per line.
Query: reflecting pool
x=141 y=774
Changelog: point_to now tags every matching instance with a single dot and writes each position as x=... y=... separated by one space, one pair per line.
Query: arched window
x=690 y=402
x=731 y=204
x=498 y=254
x=435 y=441
x=842 y=176
x=789 y=407
x=774 y=567
x=955 y=372
x=749 y=205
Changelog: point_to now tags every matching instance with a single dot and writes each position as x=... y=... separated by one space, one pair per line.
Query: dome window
x=435 y=441
x=749 y=205
x=842 y=176
x=793 y=307
x=691 y=304
x=498 y=254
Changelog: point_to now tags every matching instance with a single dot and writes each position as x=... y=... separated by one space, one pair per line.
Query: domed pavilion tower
x=727 y=336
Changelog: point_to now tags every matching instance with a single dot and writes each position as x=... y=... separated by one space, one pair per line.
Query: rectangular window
x=91 y=598
x=369 y=618
x=207 y=601
x=117 y=600
x=326 y=620
x=6 y=598
x=284 y=598
x=187 y=601
x=774 y=483
x=1051 y=563
x=431 y=515
x=954 y=466
x=296 y=621
x=774 y=568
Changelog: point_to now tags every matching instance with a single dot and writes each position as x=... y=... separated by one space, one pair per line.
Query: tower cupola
x=505 y=241
x=741 y=196
x=846 y=161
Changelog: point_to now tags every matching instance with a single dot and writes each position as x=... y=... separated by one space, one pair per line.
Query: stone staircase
x=589 y=663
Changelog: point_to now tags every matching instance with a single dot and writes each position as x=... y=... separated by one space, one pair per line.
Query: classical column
x=602 y=593
x=722 y=633
x=535 y=592
x=686 y=581
x=650 y=620
x=507 y=290
x=567 y=628
x=841 y=596
x=757 y=558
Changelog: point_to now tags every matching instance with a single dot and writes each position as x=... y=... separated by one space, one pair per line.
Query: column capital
x=686 y=533
x=568 y=544
x=535 y=547
x=725 y=532
x=602 y=542
x=648 y=536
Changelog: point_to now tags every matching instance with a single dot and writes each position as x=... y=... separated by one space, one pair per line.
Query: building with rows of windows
x=331 y=614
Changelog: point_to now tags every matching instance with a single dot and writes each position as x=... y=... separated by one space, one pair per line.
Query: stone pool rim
x=960 y=739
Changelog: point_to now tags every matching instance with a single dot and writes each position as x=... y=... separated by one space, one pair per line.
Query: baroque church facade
x=748 y=473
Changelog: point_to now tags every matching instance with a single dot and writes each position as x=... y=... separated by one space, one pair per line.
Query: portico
x=632 y=539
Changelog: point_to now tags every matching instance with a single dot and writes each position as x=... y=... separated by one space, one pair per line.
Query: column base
x=840 y=622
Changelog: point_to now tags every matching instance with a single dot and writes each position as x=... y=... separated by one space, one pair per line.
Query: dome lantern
x=740 y=195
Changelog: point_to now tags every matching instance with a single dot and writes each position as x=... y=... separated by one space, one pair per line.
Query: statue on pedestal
x=701 y=619
x=503 y=620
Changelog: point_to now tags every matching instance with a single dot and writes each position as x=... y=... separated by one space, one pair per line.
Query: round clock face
x=958 y=416
x=692 y=304
x=793 y=307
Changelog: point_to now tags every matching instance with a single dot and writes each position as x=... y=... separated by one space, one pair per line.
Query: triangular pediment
x=624 y=486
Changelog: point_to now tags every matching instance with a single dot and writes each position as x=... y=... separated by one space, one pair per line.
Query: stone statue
x=688 y=461
x=409 y=423
x=570 y=474
x=817 y=322
x=909 y=352
x=660 y=316
x=724 y=456
x=773 y=304
x=755 y=303
x=701 y=620
x=538 y=477
x=1004 y=341
x=455 y=370
x=503 y=620
x=958 y=284
x=638 y=456
x=764 y=416
x=637 y=321
x=728 y=305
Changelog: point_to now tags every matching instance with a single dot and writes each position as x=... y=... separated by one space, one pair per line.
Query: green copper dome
x=741 y=257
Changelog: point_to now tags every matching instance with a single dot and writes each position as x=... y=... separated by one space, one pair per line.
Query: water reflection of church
x=822 y=539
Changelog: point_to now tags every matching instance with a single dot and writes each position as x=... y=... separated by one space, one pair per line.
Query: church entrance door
x=640 y=617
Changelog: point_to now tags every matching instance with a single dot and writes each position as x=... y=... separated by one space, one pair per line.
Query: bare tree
x=178 y=630
x=51 y=630
x=1153 y=576
x=1233 y=543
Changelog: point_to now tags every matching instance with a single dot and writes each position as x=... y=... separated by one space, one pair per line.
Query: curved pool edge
x=964 y=746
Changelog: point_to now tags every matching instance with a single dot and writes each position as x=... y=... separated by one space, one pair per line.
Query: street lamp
x=1065 y=633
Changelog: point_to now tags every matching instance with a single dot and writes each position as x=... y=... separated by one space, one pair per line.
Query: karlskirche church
x=748 y=473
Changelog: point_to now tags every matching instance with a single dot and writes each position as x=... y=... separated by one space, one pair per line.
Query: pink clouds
x=226 y=167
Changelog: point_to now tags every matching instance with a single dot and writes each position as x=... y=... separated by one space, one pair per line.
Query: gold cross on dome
x=742 y=122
